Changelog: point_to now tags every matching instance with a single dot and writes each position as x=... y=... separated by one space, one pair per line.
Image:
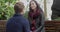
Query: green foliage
x=26 y=14
x=6 y=9
x=57 y=18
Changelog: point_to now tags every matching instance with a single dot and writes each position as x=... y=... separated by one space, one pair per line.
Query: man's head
x=19 y=7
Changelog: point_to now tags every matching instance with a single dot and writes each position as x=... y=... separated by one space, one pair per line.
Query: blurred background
x=7 y=10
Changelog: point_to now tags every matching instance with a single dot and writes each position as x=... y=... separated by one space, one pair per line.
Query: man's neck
x=21 y=13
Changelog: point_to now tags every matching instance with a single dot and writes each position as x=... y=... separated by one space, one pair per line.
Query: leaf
x=6 y=11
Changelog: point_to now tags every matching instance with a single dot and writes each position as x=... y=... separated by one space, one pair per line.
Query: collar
x=18 y=14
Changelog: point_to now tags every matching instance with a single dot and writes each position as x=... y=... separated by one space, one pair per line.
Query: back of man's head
x=18 y=7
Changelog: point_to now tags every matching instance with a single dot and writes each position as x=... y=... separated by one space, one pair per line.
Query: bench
x=50 y=26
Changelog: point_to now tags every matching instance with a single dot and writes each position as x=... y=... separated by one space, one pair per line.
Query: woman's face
x=33 y=5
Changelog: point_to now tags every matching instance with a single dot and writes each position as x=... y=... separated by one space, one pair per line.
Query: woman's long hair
x=34 y=15
x=37 y=8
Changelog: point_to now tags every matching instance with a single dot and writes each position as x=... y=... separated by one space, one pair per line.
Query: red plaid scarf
x=34 y=15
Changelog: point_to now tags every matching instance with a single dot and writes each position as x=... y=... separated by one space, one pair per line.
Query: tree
x=6 y=9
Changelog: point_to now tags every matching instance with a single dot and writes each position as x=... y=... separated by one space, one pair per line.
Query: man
x=18 y=23
x=55 y=9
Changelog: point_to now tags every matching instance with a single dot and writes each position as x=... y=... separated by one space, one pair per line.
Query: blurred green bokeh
x=6 y=9
x=26 y=14
x=57 y=18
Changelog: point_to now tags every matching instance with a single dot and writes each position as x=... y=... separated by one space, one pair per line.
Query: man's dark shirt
x=17 y=24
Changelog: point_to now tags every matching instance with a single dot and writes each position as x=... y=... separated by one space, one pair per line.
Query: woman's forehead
x=32 y=2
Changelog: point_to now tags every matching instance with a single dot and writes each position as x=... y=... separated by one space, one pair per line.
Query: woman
x=35 y=17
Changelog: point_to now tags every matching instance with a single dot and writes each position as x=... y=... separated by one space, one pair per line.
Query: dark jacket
x=39 y=22
x=55 y=9
x=17 y=24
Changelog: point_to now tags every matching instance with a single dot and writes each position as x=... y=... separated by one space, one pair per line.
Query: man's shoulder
x=18 y=19
x=24 y=20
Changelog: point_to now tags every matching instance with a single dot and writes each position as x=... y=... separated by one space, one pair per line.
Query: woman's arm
x=42 y=22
